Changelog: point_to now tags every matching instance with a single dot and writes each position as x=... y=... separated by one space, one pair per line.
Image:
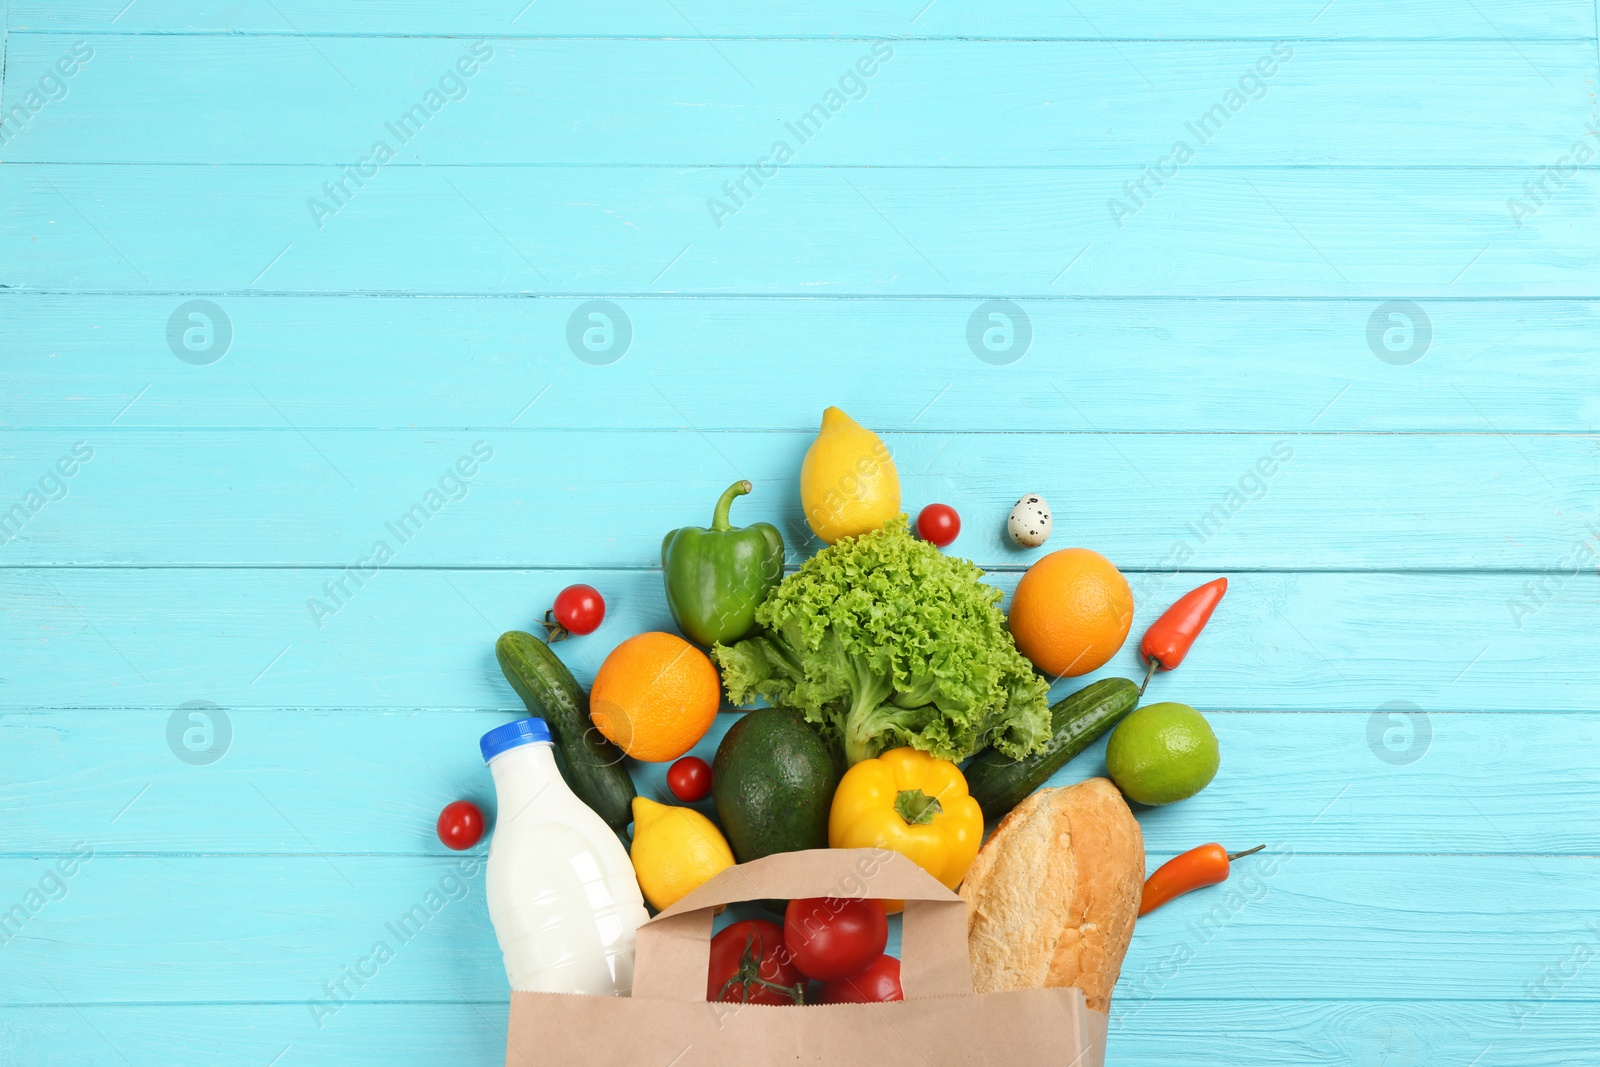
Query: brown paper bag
x=668 y=1023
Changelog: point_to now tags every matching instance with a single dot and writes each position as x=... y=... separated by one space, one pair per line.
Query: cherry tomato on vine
x=878 y=983
x=579 y=610
x=460 y=825
x=835 y=938
x=748 y=960
x=690 y=779
x=938 y=524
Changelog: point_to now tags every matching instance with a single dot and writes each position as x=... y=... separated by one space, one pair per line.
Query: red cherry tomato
x=834 y=938
x=938 y=524
x=878 y=983
x=579 y=609
x=461 y=825
x=690 y=779
x=746 y=954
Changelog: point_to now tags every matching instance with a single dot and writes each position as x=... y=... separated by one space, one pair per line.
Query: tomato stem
x=749 y=974
x=554 y=631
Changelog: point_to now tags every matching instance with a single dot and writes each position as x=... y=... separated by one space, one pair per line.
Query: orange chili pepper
x=1169 y=637
x=1203 y=866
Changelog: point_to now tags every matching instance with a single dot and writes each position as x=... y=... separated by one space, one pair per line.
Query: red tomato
x=879 y=982
x=752 y=949
x=938 y=524
x=835 y=938
x=580 y=608
x=690 y=779
x=461 y=825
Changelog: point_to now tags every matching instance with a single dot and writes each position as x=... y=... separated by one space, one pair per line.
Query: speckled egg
x=1029 y=523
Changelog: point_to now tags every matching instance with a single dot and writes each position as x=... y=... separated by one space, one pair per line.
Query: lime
x=1162 y=753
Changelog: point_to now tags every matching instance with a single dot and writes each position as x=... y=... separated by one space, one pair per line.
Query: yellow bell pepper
x=914 y=804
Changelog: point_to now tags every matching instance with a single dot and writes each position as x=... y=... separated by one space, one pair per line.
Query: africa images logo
x=51 y=486
x=453 y=485
x=50 y=88
x=851 y=85
x=1252 y=85
x=452 y=86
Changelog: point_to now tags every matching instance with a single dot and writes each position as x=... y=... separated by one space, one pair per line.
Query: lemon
x=848 y=484
x=1162 y=753
x=674 y=851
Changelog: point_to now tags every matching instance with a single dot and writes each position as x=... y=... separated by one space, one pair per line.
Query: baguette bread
x=1053 y=895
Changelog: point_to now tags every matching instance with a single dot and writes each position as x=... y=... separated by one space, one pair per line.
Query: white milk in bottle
x=562 y=895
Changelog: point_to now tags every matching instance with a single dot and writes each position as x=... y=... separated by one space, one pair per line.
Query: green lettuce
x=883 y=640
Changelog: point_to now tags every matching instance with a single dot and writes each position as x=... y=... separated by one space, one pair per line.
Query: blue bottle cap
x=512 y=734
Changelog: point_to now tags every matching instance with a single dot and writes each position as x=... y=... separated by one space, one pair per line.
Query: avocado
x=772 y=782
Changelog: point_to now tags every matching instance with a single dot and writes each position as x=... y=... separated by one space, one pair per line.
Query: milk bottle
x=561 y=890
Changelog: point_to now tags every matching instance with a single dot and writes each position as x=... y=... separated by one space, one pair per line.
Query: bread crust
x=1053 y=895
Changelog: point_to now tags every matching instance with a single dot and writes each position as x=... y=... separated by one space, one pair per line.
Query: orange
x=655 y=696
x=1071 y=612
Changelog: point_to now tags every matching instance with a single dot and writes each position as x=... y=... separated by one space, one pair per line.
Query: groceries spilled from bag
x=902 y=711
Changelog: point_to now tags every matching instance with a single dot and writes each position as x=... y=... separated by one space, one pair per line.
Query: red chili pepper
x=1203 y=866
x=1169 y=637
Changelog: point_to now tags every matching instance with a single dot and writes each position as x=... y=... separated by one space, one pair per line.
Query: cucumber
x=591 y=765
x=999 y=783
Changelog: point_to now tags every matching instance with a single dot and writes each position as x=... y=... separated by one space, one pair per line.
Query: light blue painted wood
x=1292 y=1033
x=1432 y=911
x=1149 y=502
x=274 y=928
x=1479 y=783
x=156 y=637
x=1169 y=365
x=1481 y=103
x=5 y=41
x=606 y=231
x=1085 y=19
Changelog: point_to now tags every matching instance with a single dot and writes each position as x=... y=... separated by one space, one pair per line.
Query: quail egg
x=1029 y=522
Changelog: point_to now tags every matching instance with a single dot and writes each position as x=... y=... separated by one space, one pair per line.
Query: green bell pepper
x=717 y=578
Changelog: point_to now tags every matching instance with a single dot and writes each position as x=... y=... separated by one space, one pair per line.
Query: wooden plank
x=1295 y=1033
x=1089 y=19
x=1225 y=502
x=373 y=781
x=250 y=1035
x=423 y=639
x=1136 y=365
x=5 y=44
x=1306 y=1034
x=275 y=928
x=920 y=103
x=610 y=231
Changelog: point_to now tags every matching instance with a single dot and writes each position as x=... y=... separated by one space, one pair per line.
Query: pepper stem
x=719 y=518
x=1151 y=670
x=916 y=807
x=1247 y=852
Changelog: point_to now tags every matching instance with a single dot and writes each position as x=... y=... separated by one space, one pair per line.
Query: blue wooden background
x=1379 y=259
